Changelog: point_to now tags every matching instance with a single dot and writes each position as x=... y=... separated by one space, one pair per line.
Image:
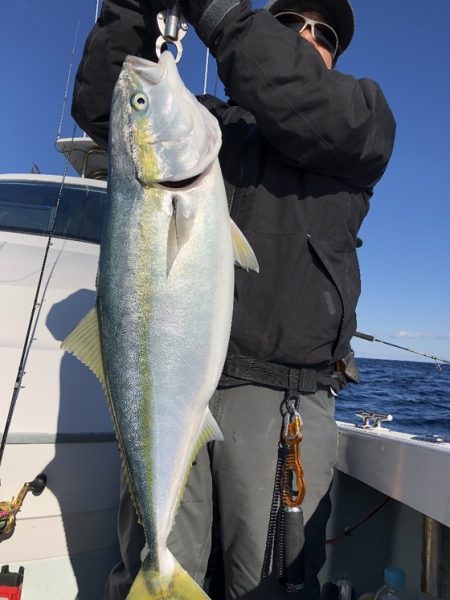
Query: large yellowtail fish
x=158 y=334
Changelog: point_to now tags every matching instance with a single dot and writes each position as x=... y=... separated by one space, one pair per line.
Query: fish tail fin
x=151 y=584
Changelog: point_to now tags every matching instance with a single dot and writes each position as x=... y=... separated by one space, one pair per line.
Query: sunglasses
x=322 y=33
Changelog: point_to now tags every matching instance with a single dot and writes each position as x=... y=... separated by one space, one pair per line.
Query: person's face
x=307 y=35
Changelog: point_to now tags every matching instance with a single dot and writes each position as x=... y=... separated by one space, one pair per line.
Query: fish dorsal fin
x=243 y=253
x=84 y=343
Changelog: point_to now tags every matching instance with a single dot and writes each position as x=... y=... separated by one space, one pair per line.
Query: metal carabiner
x=292 y=482
x=173 y=27
x=292 y=427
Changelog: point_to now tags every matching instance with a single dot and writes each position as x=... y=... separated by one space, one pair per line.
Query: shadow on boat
x=84 y=473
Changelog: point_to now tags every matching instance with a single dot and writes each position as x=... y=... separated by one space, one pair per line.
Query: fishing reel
x=9 y=510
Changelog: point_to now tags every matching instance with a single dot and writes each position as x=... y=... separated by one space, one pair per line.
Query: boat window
x=29 y=207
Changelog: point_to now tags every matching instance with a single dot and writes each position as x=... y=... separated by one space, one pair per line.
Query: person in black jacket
x=303 y=147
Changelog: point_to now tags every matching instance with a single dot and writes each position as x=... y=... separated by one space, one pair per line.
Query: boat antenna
x=69 y=72
x=371 y=338
x=205 y=81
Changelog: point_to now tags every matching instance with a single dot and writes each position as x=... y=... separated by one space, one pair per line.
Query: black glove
x=157 y=6
x=207 y=15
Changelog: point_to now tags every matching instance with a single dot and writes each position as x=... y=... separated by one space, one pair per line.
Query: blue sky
x=406 y=282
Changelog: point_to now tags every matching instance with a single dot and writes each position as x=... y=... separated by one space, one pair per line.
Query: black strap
x=303 y=380
x=212 y=16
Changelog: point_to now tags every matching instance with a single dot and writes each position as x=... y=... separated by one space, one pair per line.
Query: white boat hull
x=65 y=537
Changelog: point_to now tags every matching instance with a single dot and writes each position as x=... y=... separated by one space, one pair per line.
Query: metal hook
x=173 y=28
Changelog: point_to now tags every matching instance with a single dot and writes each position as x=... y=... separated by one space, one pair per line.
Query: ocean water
x=416 y=394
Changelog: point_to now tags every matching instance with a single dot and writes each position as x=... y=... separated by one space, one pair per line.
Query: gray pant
x=239 y=474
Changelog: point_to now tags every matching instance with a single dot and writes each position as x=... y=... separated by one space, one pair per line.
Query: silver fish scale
x=165 y=327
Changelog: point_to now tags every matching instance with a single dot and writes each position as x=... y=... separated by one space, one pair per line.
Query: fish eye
x=139 y=101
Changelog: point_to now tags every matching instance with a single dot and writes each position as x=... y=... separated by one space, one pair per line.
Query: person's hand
x=192 y=10
x=206 y=15
x=158 y=6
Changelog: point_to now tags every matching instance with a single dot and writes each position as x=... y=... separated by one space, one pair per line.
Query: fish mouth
x=178 y=184
x=175 y=180
x=184 y=183
x=150 y=72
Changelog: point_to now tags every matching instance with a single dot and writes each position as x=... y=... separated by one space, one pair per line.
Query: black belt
x=297 y=381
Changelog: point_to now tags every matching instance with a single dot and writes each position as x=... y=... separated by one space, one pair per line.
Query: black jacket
x=302 y=148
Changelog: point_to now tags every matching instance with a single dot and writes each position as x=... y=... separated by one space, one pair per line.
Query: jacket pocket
x=341 y=265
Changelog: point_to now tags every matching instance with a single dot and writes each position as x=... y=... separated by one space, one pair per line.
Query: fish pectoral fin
x=180 y=226
x=84 y=343
x=243 y=253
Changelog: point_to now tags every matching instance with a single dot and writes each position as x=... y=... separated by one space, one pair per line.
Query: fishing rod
x=9 y=510
x=371 y=338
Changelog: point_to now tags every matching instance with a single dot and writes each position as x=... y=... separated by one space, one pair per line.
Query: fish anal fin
x=84 y=343
x=243 y=252
x=209 y=431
